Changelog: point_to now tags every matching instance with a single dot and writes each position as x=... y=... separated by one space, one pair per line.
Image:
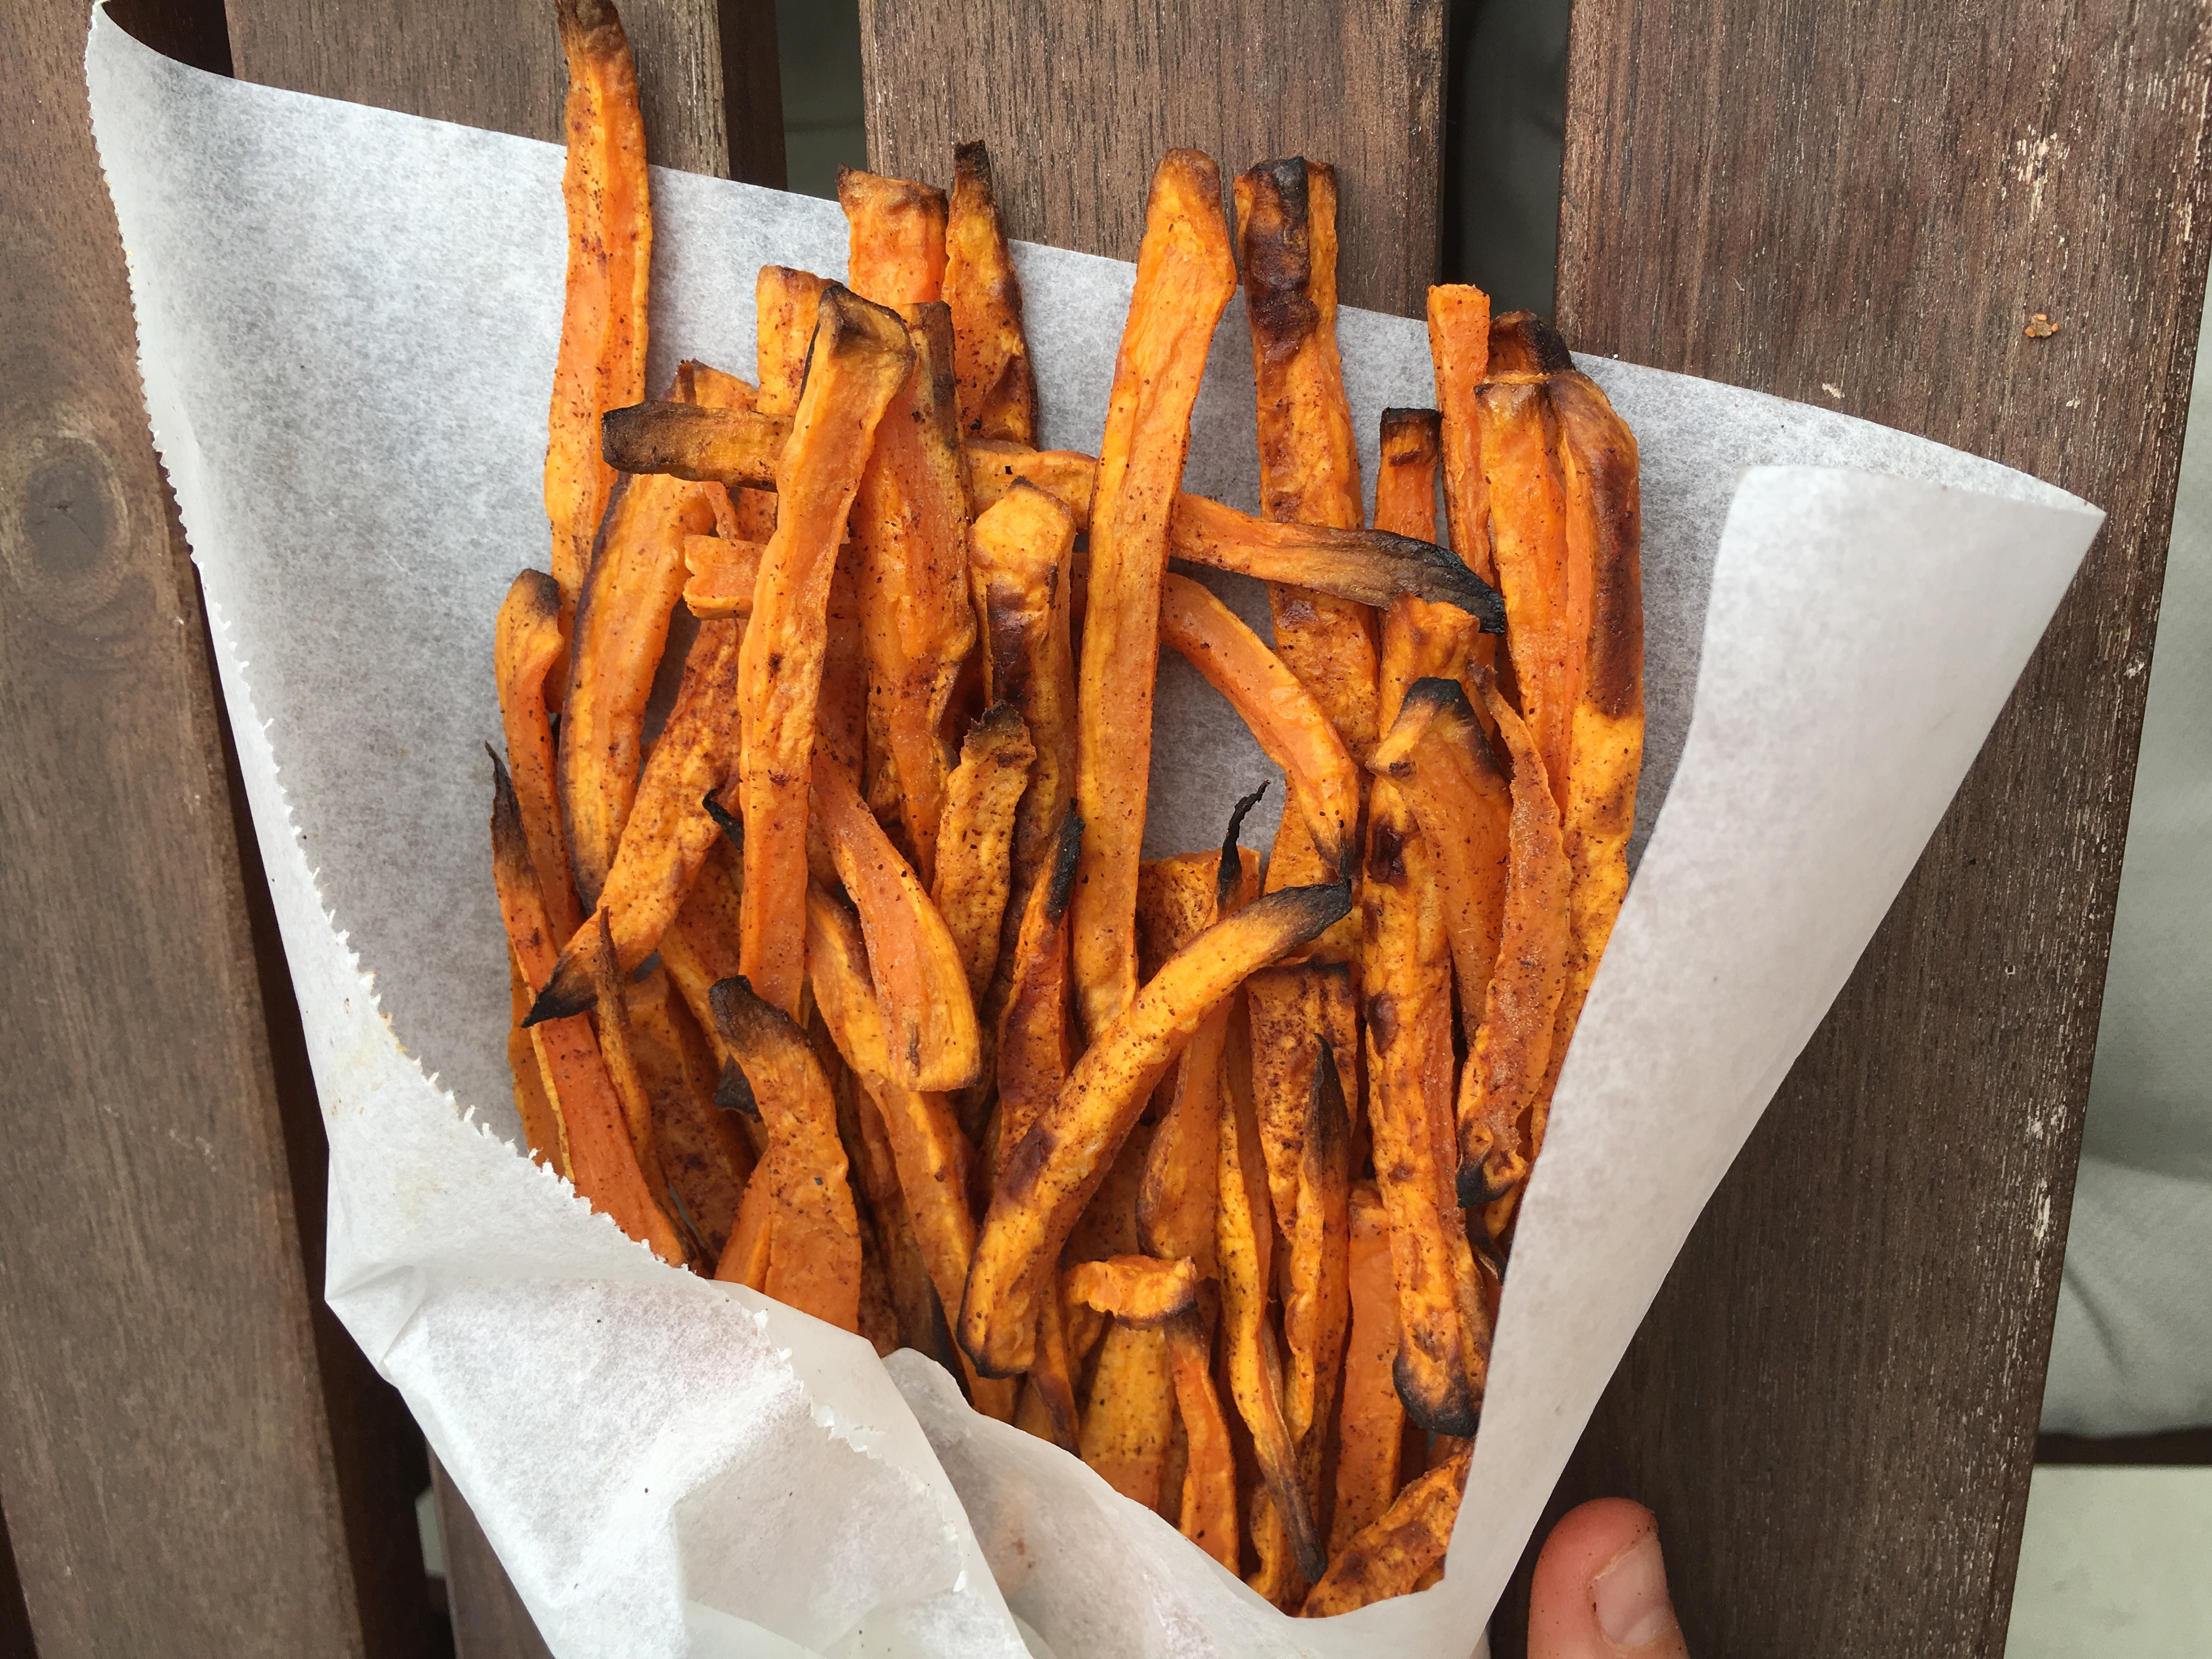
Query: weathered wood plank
x=1833 y=1404
x=497 y=63
x=168 y=1465
x=490 y=1621
x=1077 y=103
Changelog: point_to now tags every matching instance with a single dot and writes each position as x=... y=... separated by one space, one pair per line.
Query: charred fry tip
x=732 y=826
x=1313 y=910
x=1230 y=873
x=1411 y=420
x=1454 y=584
x=538 y=591
x=1456 y=1413
x=1066 y=855
x=743 y=1014
x=1437 y=695
x=1548 y=352
x=971 y=160
x=579 y=18
x=1474 y=1189
x=998 y=722
x=569 y=993
x=733 y=1093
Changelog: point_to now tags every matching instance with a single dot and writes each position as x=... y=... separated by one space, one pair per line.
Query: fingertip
x=1599 y=1588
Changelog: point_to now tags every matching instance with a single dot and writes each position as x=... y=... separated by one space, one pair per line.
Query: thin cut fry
x=1208 y=1510
x=533 y=1104
x=1513 y=1046
x=991 y=360
x=1020 y=562
x=786 y=306
x=1547 y=600
x=813 y=1231
x=1130 y=1415
x=1420 y=639
x=1374 y=1419
x=1459 y=345
x=1316 y=1298
x=602 y=1162
x=861 y=357
x=1295 y=1010
x=529 y=640
x=1291 y=727
x=1033 y=1053
x=1440 y=760
x=601 y=363
x=1136 y=1290
x=1048 y=1403
x=614 y=1049
x=1521 y=342
x=1185 y=275
x=974 y=869
x=1051 y=1172
x=1308 y=462
x=700 y=947
x=735 y=448
x=929 y=1020
x=897 y=231
x=909 y=529
x=913 y=1299
x=721 y=574
x=668 y=831
x=1392 y=1554
x=706 y=1158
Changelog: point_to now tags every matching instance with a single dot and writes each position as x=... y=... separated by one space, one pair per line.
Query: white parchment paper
x=347 y=321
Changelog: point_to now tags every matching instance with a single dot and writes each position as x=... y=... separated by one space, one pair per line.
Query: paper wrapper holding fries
x=875 y=968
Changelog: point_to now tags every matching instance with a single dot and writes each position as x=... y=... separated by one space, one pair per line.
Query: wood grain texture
x=166 y=1462
x=1833 y=1404
x=497 y=63
x=1079 y=101
x=490 y=1621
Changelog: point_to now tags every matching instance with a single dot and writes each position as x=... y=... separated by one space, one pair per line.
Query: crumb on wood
x=2040 y=327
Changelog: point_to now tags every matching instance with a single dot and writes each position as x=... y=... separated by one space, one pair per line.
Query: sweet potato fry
x=735 y=448
x=1390 y=1556
x=1316 y=1300
x=1295 y=1010
x=1308 y=462
x=814 y=1237
x=1513 y=1046
x=528 y=642
x=1548 y=600
x=1409 y=1061
x=909 y=529
x=602 y=1161
x=621 y=626
x=976 y=842
x=1033 y=1053
x=861 y=357
x=1440 y=761
x=929 y=1020
x=993 y=466
x=1020 y=562
x=1048 y=1406
x=1208 y=1510
x=601 y=361
x=1246 y=1241
x=1130 y=1415
x=785 y=307
x=1521 y=342
x=615 y=1049
x=1373 y=1422
x=1051 y=1172
x=1136 y=1290
x=1290 y=725
x=533 y=1105
x=1459 y=346
x=706 y=1158
x=898 y=230
x=700 y=947
x=668 y=831
x=744 y=515
x=913 y=1299
x=990 y=354
x=1185 y=274
x=721 y=576
x=1420 y=639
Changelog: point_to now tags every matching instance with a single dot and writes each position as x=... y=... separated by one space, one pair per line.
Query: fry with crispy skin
x=602 y=1160
x=1309 y=461
x=929 y=1020
x=1459 y=347
x=1295 y=1010
x=1373 y=1422
x=735 y=448
x=913 y=1299
x=1419 y=638
x=1521 y=342
x=1185 y=275
x=990 y=354
x=601 y=362
x=859 y=359
x=1391 y=1556
x=1317 y=1296
x=1048 y=1408
x=786 y=304
x=896 y=226
x=706 y=1159
x=1208 y=1510
x=1130 y=1414
x=615 y=1049
x=528 y=642
x=533 y=1104
x=1049 y=1175
x=720 y=574
x=1291 y=727
x=1034 y=1051
x=1547 y=599
x=1136 y=1290
x=974 y=869
x=668 y=830
x=1513 y=1046
x=813 y=1229
x=909 y=529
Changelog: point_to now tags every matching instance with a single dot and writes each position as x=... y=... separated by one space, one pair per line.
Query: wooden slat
x=497 y=63
x=1078 y=102
x=1860 y=204
x=490 y=1621
x=167 y=1468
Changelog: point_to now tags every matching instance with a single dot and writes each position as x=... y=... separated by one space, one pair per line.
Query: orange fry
x=1521 y=342
x=706 y=1159
x=528 y=642
x=1208 y=1516
x=1459 y=346
x=1374 y=1419
x=1392 y=1555
x=533 y=1104
x=1136 y=1290
x=601 y=361
x=616 y=1050
x=897 y=231
x=990 y=354
x=721 y=576
x=1130 y=1415
x=929 y=1020
x=1419 y=638
x=1033 y=1053
x=1316 y=1299
x=1185 y=274
x=786 y=304
x=733 y=448
x=859 y=358
x=602 y=1160
x=813 y=1229
x=1547 y=600
x=975 y=847
x=1290 y=725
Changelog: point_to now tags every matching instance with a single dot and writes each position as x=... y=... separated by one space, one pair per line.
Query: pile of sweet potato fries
x=850 y=984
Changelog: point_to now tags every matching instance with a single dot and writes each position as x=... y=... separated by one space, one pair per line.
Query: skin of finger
x=1562 y=1606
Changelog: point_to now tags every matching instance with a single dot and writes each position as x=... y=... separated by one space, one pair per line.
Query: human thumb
x=1600 y=1590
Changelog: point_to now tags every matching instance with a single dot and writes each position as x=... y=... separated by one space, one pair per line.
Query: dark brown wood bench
x=1833 y=1404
